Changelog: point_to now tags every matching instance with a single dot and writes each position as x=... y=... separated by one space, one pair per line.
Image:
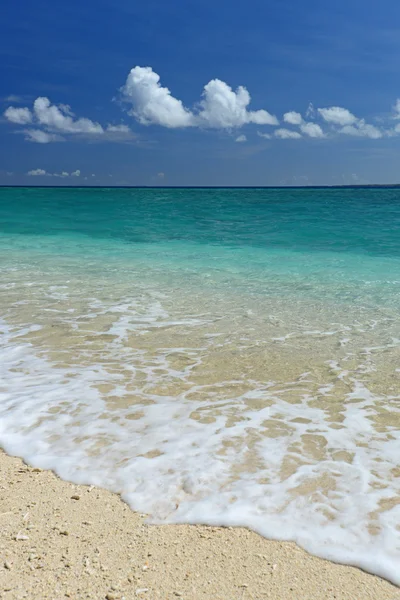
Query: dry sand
x=60 y=540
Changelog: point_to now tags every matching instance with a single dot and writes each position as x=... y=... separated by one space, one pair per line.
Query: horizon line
x=209 y=187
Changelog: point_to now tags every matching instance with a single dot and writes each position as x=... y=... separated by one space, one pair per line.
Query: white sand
x=53 y=545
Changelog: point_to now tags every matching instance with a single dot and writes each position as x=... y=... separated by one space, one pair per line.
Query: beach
x=219 y=358
x=60 y=540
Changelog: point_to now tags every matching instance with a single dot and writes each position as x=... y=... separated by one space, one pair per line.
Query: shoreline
x=61 y=540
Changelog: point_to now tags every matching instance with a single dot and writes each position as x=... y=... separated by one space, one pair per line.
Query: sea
x=219 y=356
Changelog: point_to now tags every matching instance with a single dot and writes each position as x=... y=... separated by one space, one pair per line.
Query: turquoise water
x=226 y=356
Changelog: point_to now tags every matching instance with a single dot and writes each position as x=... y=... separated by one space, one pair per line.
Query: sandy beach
x=59 y=540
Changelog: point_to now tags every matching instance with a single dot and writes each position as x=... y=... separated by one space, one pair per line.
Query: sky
x=263 y=92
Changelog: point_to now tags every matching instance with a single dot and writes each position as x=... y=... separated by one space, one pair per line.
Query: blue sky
x=103 y=119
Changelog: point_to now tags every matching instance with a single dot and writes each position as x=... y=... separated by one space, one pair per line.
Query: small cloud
x=313 y=130
x=118 y=128
x=241 y=138
x=396 y=109
x=310 y=112
x=38 y=173
x=349 y=123
x=41 y=137
x=19 y=116
x=293 y=118
x=51 y=120
x=160 y=175
x=337 y=115
x=287 y=134
x=43 y=173
x=13 y=98
x=267 y=136
x=362 y=129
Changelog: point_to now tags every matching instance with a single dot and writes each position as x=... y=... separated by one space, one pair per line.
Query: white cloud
x=241 y=138
x=118 y=128
x=161 y=175
x=57 y=118
x=152 y=103
x=43 y=173
x=20 y=116
x=50 y=121
x=287 y=134
x=396 y=109
x=37 y=173
x=223 y=108
x=350 y=124
x=42 y=137
x=264 y=135
x=310 y=112
x=312 y=130
x=293 y=118
x=362 y=129
x=220 y=107
x=337 y=115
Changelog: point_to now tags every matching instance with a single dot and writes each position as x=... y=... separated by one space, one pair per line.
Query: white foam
x=57 y=419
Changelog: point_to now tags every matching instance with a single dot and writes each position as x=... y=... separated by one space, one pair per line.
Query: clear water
x=215 y=356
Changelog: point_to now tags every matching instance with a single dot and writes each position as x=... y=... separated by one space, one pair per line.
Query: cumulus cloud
x=152 y=103
x=52 y=120
x=349 y=123
x=37 y=173
x=312 y=130
x=43 y=173
x=241 y=138
x=362 y=129
x=20 y=116
x=337 y=115
x=223 y=108
x=58 y=118
x=293 y=118
x=287 y=134
x=308 y=128
x=220 y=107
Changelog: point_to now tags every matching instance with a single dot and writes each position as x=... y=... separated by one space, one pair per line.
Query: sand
x=59 y=540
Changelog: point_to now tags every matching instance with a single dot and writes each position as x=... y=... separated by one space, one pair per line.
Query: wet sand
x=59 y=540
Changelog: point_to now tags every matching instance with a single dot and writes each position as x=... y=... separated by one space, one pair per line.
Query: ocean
x=219 y=356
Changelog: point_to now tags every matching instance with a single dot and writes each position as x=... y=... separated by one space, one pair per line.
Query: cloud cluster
x=43 y=173
x=287 y=134
x=345 y=122
x=220 y=107
x=52 y=123
x=308 y=128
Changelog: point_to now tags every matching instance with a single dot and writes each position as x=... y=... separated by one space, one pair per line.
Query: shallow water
x=217 y=356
